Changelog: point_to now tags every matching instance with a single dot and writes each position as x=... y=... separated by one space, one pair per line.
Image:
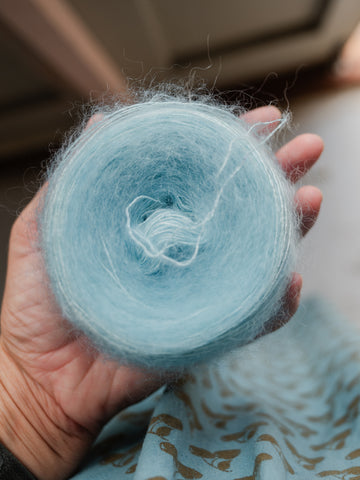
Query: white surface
x=331 y=253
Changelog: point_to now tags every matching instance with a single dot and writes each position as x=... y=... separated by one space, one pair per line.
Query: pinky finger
x=291 y=302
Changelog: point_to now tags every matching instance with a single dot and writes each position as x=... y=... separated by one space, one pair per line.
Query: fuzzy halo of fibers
x=168 y=233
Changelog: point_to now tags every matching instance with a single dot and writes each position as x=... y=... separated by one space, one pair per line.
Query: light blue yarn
x=168 y=233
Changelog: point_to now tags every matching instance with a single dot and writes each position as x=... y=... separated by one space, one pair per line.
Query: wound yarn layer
x=168 y=233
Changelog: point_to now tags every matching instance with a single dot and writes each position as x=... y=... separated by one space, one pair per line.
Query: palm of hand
x=86 y=387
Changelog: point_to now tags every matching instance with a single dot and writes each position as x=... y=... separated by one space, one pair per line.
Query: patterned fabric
x=285 y=407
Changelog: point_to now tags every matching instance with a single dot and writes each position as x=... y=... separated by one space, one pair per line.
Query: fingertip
x=295 y=291
x=308 y=201
x=270 y=112
x=300 y=154
x=296 y=282
x=264 y=114
x=291 y=302
x=315 y=141
x=309 y=195
x=97 y=117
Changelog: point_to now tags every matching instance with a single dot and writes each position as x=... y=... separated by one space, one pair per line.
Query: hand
x=296 y=158
x=56 y=394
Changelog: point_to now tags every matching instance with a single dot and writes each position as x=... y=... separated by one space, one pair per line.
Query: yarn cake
x=168 y=233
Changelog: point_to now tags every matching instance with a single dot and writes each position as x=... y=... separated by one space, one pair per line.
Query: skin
x=55 y=394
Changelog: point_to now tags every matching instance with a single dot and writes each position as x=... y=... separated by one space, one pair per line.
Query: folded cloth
x=286 y=406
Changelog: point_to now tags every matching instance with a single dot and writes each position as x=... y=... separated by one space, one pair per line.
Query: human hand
x=296 y=159
x=55 y=393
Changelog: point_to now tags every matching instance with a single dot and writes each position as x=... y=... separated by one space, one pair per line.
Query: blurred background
x=57 y=55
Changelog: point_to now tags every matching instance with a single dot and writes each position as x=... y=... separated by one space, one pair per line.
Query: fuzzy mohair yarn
x=168 y=233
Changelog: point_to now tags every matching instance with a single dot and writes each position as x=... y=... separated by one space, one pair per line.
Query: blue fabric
x=284 y=407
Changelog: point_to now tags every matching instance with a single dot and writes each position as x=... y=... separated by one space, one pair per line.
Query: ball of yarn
x=168 y=233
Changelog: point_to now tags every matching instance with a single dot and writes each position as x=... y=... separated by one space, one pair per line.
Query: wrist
x=34 y=428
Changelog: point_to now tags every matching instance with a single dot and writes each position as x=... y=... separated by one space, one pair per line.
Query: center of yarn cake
x=162 y=230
